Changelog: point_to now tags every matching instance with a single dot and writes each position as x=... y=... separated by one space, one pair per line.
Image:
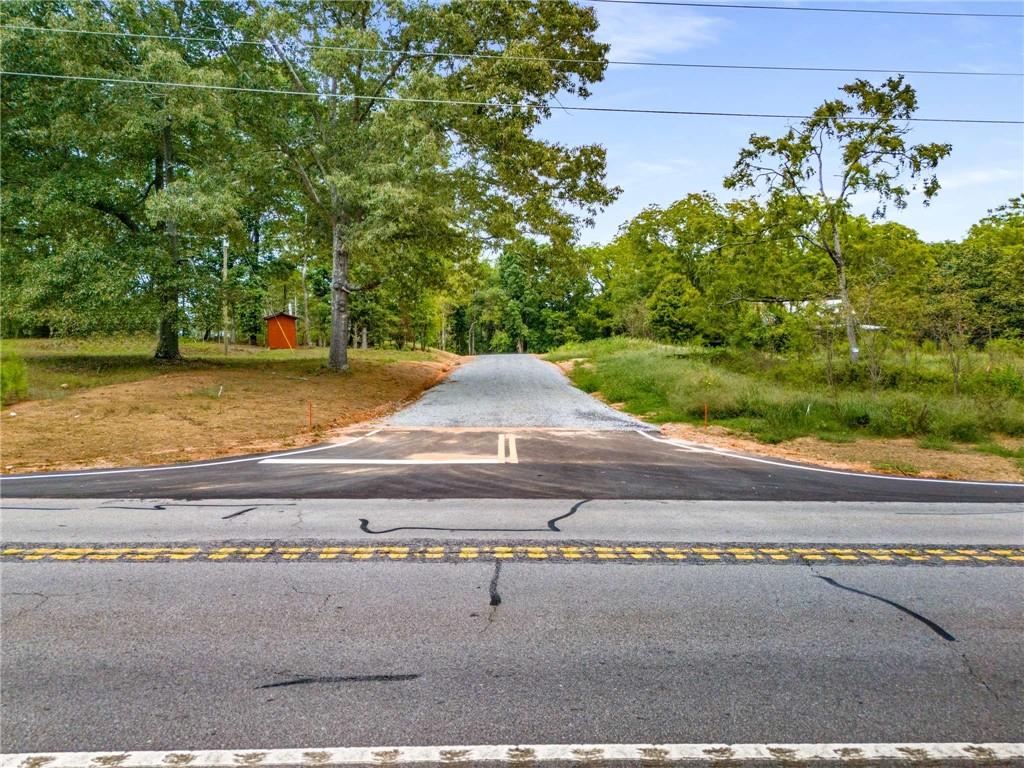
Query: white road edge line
x=184 y=467
x=723 y=452
x=382 y=461
x=910 y=753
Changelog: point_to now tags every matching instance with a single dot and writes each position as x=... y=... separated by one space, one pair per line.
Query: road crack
x=976 y=677
x=339 y=679
x=494 y=596
x=933 y=626
x=551 y=525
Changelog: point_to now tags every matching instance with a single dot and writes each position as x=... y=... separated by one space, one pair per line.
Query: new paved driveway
x=511 y=391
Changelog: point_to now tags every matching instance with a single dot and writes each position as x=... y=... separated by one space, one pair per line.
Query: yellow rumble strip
x=677 y=554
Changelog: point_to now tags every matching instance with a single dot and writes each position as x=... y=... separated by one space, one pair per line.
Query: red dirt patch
x=864 y=455
x=192 y=415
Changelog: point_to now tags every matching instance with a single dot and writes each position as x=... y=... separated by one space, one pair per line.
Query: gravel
x=511 y=391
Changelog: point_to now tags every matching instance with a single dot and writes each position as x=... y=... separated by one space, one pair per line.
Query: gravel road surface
x=511 y=391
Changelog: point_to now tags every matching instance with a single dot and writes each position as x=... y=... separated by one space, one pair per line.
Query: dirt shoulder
x=205 y=412
x=893 y=456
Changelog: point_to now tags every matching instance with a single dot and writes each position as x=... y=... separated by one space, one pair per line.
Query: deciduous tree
x=852 y=145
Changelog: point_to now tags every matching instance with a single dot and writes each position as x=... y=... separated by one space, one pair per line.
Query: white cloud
x=643 y=32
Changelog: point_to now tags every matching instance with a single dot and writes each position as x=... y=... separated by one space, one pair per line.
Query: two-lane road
x=508 y=562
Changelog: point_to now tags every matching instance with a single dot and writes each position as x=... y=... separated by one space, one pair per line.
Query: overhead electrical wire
x=513 y=57
x=759 y=7
x=468 y=103
x=817 y=9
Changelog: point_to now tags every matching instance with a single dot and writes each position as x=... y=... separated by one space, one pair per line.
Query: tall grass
x=778 y=398
x=13 y=378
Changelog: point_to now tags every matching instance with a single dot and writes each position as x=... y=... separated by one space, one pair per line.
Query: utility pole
x=224 y=292
x=305 y=287
x=305 y=300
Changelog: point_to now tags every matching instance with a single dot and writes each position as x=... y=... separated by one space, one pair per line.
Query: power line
x=467 y=103
x=757 y=7
x=813 y=9
x=513 y=57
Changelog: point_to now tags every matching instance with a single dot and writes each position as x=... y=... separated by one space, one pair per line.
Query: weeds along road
x=508 y=562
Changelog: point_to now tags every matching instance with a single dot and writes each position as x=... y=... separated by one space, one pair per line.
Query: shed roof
x=281 y=314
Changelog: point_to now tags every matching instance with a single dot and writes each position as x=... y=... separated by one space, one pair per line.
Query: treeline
x=374 y=203
x=710 y=273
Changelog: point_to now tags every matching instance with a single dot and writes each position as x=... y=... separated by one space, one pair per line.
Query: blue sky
x=658 y=159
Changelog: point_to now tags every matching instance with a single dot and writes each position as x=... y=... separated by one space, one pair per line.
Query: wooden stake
x=310 y=404
x=705 y=415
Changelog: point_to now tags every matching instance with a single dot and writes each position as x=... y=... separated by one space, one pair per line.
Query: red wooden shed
x=281 y=331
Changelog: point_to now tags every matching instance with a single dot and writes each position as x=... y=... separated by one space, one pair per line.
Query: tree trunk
x=364 y=338
x=844 y=294
x=337 y=359
x=167 y=335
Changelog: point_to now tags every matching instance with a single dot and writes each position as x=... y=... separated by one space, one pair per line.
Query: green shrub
x=902 y=417
x=960 y=426
x=13 y=378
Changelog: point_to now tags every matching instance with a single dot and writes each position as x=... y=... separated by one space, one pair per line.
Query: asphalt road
x=111 y=656
x=537 y=572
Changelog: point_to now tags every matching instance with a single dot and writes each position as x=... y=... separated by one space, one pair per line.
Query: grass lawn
x=106 y=402
x=907 y=420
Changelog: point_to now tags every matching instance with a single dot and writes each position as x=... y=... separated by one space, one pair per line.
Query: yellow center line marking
x=525 y=553
x=513 y=454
